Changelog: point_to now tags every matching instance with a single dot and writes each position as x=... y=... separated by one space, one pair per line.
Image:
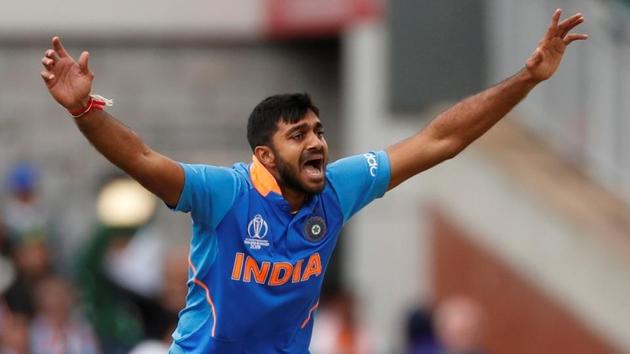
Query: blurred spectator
x=338 y=329
x=175 y=276
x=23 y=213
x=56 y=328
x=459 y=325
x=7 y=277
x=28 y=236
x=119 y=270
x=13 y=332
x=420 y=334
x=31 y=258
x=172 y=299
x=5 y=245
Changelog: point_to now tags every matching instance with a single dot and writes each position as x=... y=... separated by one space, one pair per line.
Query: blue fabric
x=208 y=193
x=359 y=179
x=256 y=269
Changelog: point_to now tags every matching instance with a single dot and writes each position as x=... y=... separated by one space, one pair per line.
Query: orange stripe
x=209 y=299
x=192 y=266
x=309 y=314
x=262 y=179
x=208 y=296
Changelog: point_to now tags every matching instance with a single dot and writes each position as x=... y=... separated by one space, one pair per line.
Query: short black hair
x=263 y=121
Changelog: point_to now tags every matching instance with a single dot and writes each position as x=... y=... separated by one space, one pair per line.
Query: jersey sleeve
x=208 y=194
x=358 y=180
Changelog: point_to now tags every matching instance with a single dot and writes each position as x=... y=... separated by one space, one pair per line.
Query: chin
x=315 y=188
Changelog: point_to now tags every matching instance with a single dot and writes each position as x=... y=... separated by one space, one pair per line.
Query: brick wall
x=519 y=316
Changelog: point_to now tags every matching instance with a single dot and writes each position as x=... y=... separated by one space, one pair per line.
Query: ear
x=266 y=156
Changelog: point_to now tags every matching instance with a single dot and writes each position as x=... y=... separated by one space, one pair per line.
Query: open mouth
x=314 y=166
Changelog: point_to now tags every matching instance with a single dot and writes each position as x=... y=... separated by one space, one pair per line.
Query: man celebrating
x=264 y=232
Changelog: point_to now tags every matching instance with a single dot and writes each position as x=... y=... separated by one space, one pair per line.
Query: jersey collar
x=262 y=179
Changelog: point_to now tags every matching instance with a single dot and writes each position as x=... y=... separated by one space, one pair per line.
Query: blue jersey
x=256 y=269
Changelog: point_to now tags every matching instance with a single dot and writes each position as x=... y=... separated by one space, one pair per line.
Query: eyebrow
x=303 y=126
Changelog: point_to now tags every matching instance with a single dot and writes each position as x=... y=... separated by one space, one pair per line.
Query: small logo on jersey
x=314 y=228
x=257 y=230
x=371 y=160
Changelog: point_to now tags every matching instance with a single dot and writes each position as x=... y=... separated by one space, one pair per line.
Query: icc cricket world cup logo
x=257 y=227
x=257 y=230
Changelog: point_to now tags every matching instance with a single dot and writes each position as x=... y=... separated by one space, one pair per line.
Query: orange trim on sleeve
x=262 y=179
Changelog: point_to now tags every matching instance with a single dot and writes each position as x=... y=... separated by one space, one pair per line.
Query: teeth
x=312 y=170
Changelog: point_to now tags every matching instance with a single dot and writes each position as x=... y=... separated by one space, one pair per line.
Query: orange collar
x=262 y=179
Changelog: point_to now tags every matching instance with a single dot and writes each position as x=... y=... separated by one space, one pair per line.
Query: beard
x=289 y=177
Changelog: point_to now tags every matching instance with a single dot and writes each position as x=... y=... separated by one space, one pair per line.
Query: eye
x=297 y=136
x=320 y=133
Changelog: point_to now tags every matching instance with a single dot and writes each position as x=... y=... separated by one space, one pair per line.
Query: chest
x=263 y=228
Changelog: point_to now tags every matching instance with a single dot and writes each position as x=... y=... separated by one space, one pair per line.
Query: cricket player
x=263 y=232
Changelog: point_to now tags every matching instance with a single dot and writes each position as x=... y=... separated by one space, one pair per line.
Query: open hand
x=544 y=62
x=68 y=81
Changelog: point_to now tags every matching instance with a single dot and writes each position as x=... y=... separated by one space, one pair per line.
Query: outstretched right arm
x=70 y=82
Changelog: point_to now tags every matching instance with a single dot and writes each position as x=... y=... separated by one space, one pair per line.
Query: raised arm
x=70 y=82
x=453 y=130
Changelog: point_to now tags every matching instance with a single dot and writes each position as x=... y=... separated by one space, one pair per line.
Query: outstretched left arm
x=453 y=130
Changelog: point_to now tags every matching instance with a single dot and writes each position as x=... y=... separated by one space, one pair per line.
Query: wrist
x=528 y=78
x=80 y=106
x=94 y=102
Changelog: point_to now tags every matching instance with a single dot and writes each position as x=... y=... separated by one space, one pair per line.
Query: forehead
x=310 y=120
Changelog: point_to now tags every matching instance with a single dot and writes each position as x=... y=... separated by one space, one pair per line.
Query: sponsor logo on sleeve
x=372 y=163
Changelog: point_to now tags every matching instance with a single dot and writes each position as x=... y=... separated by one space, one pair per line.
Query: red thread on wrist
x=92 y=104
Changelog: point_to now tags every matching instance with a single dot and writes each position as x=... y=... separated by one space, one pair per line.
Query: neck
x=295 y=198
x=266 y=182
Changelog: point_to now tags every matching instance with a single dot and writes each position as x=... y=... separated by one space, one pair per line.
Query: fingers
x=556 y=18
x=47 y=76
x=50 y=58
x=562 y=29
x=52 y=55
x=48 y=63
x=567 y=25
x=83 y=62
x=571 y=21
x=574 y=37
x=553 y=27
x=58 y=47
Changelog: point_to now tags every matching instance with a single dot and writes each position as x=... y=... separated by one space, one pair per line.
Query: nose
x=314 y=143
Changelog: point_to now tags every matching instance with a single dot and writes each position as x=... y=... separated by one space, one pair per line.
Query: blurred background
x=519 y=245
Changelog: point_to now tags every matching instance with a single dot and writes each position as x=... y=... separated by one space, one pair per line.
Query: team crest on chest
x=257 y=230
x=315 y=228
